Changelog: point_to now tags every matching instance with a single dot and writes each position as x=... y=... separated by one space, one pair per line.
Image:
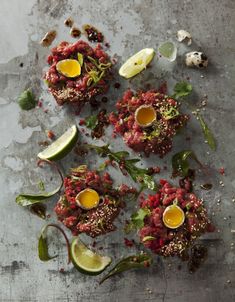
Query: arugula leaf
x=27 y=100
x=182 y=89
x=139 y=175
x=91 y=121
x=137 y=220
x=180 y=164
x=29 y=199
x=43 y=253
x=207 y=133
x=131 y=262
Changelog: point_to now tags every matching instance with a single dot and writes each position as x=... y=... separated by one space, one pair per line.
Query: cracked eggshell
x=196 y=58
x=183 y=35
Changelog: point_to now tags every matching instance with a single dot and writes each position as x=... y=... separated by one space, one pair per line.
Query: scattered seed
x=48 y=38
x=69 y=22
x=75 y=32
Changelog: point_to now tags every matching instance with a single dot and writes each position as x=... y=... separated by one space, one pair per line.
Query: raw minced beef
x=96 y=221
x=94 y=77
x=173 y=242
x=156 y=138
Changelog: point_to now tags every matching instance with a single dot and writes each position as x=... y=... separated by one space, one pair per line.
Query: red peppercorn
x=222 y=171
x=82 y=122
x=50 y=134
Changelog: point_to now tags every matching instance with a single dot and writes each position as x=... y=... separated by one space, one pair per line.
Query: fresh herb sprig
x=131 y=262
x=139 y=175
x=180 y=162
x=137 y=220
x=29 y=199
x=91 y=121
x=27 y=100
x=209 y=137
x=183 y=89
x=43 y=252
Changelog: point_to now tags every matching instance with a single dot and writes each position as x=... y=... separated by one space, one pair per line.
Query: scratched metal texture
x=128 y=26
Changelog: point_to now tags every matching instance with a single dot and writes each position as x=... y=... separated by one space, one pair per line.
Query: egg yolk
x=173 y=216
x=69 y=68
x=88 y=198
x=145 y=115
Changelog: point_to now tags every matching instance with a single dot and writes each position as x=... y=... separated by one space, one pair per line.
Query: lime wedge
x=168 y=50
x=85 y=260
x=62 y=146
x=136 y=63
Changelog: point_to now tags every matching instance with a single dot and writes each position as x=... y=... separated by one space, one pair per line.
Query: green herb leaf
x=139 y=175
x=180 y=164
x=91 y=121
x=29 y=199
x=137 y=220
x=43 y=253
x=80 y=58
x=131 y=262
x=207 y=133
x=170 y=114
x=102 y=167
x=182 y=89
x=155 y=133
x=27 y=100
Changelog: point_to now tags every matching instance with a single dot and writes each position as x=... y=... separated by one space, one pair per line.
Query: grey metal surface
x=128 y=26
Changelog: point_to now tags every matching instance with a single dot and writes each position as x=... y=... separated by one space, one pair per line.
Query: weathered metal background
x=128 y=26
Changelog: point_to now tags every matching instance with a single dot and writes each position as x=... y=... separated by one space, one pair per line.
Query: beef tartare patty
x=92 y=80
x=155 y=136
x=166 y=241
x=96 y=221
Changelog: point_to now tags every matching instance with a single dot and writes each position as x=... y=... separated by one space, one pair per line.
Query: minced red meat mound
x=95 y=73
x=173 y=242
x=96 y=221
x=156 y=138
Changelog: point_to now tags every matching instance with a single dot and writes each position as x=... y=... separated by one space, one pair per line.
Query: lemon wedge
x=69 y=68
x=136 y=63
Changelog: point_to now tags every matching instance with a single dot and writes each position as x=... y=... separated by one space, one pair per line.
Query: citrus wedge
x=62 y=146
x=85 y=260
x=69 y=68
x=136 y=63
